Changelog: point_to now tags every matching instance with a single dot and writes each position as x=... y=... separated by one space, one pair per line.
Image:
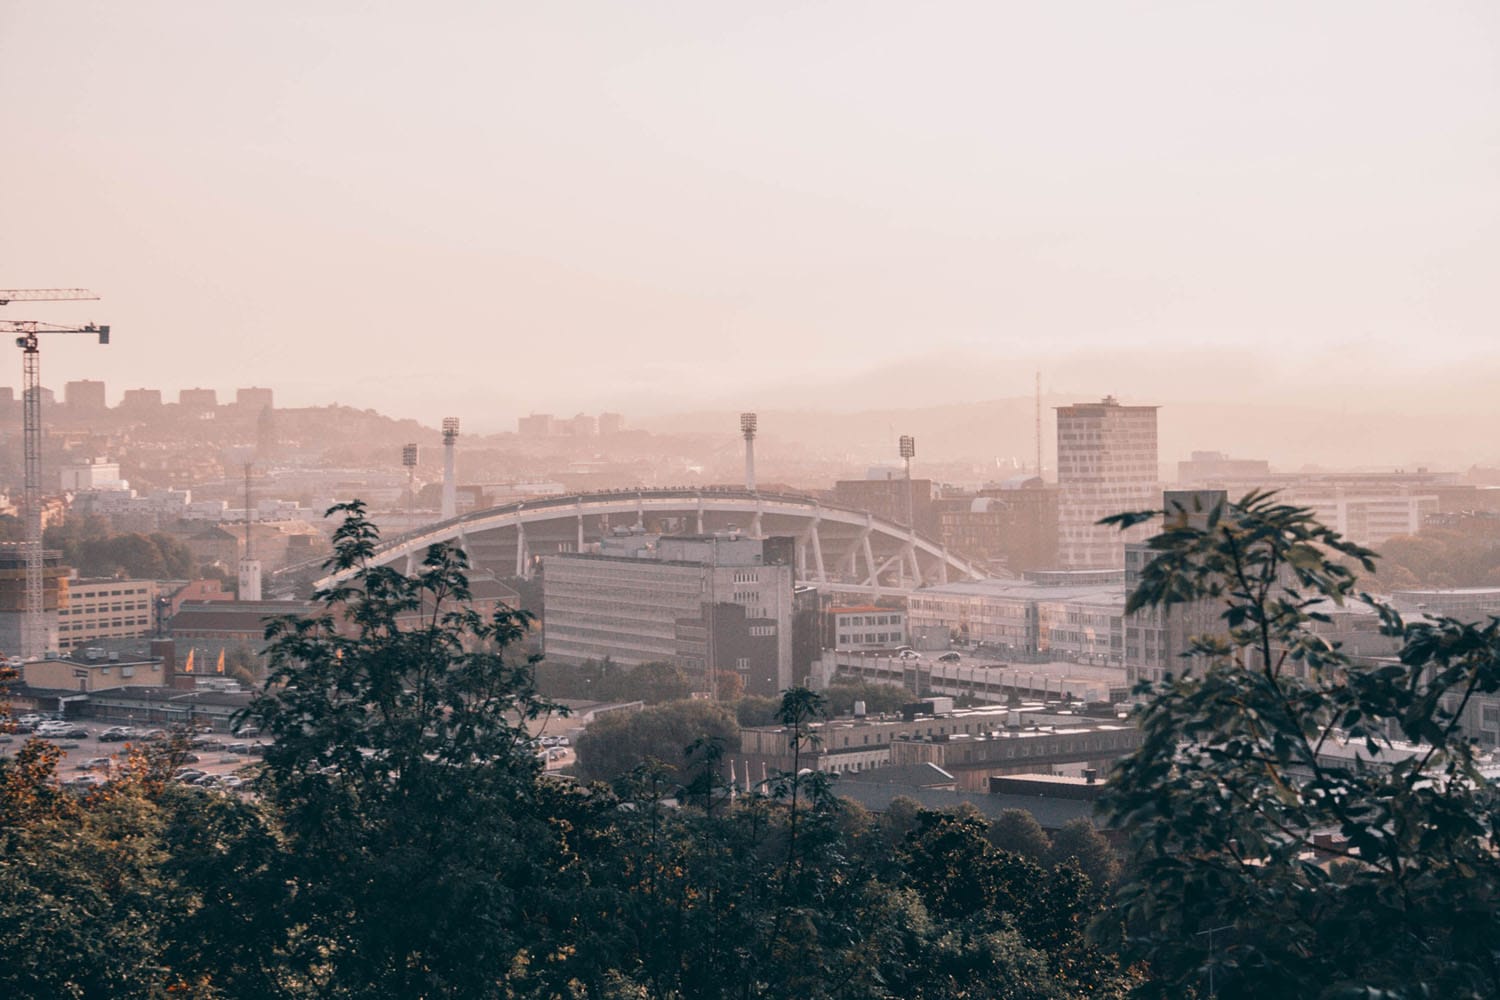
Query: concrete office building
x=1106 y=464
x=709 y=603
x=105 y=609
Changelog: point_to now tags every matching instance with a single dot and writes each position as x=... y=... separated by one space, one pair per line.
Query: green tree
x=620 y=741
x=1229 y=796
x=417 y=842
x=1080 y=844
x=1017 y=831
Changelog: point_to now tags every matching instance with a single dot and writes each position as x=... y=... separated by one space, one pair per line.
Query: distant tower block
x=747 y=427
x=450 y=486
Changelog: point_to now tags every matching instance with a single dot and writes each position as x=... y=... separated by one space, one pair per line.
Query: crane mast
x=33 y=617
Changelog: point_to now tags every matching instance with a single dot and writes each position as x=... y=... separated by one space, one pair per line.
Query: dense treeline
x=404 y=842
x=1465 y=553
x=94 y=551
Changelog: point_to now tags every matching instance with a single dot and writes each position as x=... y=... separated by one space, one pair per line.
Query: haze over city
x=659 y=207
x=840 y=499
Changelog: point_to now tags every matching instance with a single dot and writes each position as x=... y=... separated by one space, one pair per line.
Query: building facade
x=1106 y=464
x=866 y=627
x=1062 y=615
x=655 y=598
x=105 y=609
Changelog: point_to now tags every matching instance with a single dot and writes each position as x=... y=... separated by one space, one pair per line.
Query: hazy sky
x=486 y=208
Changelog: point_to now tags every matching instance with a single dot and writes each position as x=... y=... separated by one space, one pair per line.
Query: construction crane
x=33 y=619
x=9 y=295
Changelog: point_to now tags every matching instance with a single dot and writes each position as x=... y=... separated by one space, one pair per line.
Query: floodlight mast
x=450 y=485
x=409 y=459
x=908 y=446
x=748 y=423
x=33 y=618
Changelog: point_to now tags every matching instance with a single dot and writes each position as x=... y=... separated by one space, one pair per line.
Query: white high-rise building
x=1106 y=464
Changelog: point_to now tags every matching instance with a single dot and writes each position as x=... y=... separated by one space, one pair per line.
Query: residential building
x=1106 y=465
x=254 y=398
x=141 y=399
x=536 y=425
x=84 y=396
x=197 y=399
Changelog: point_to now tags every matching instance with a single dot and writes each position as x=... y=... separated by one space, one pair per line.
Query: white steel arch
x=836 y=546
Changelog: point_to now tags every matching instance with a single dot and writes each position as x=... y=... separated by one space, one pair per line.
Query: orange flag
x=221 y=661
x=187 y=667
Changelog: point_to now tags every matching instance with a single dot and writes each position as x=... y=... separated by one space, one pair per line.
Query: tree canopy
x=1302 y=823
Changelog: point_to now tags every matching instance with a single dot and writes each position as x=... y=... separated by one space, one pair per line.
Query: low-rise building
x=866 y=627
x=88 y=669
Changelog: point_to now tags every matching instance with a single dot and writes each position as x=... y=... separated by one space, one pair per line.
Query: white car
x=909 y=654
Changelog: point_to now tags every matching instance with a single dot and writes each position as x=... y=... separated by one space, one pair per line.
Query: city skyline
x=654 y=208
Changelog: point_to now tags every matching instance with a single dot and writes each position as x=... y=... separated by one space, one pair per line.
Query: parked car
x=116 y=734
x=84 y=781
x=96 y=764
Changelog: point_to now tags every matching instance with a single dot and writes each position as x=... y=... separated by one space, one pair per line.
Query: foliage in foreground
x=1268 y=860
x=405 y=842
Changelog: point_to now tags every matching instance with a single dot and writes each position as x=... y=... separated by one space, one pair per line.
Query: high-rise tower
x=1106 y=464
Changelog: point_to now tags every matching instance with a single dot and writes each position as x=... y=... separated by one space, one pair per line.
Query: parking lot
x=81 y=756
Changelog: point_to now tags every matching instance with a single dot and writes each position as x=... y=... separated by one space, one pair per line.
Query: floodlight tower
x=450 y=488
x=747 y=428
x=908 y=446
x=409 y=459
x=33 y=619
